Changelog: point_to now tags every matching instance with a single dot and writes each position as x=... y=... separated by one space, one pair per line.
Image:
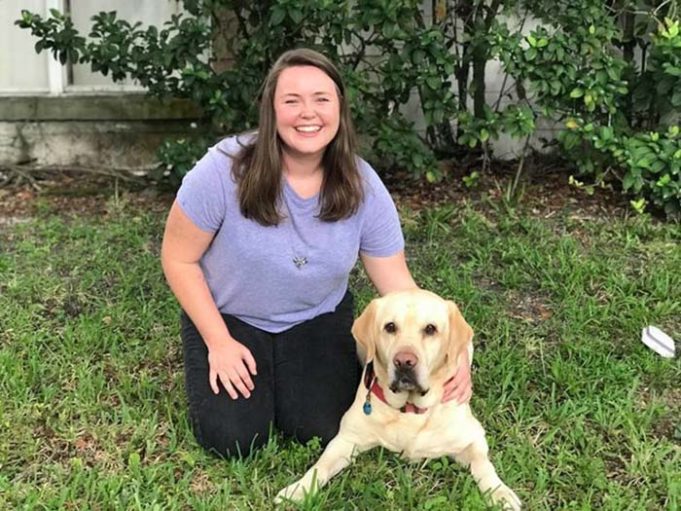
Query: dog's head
x=413 y=337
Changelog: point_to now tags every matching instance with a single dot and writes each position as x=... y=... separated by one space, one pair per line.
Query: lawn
x=579 y=413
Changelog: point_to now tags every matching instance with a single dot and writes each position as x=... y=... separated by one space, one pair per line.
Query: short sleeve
x=202 y=194
x=381 y=231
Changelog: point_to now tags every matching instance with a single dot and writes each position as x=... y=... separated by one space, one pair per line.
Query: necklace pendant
x=300 y=261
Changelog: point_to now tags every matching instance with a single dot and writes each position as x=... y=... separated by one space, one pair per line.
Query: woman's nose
x=307 y=110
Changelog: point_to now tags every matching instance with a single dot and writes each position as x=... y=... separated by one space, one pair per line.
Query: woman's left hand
x=459 y=386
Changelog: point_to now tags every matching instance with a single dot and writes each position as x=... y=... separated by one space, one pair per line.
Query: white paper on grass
x=658 y=341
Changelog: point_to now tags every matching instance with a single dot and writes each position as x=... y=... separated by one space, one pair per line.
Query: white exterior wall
x=22 y=71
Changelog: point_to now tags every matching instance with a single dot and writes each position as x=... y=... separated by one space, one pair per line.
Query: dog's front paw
x=506 y=498
x=295 y=492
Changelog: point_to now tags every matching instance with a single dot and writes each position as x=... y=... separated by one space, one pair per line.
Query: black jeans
x=307 y=379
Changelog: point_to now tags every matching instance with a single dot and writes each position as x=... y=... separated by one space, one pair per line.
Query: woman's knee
x=228 y=439
x=303 y=430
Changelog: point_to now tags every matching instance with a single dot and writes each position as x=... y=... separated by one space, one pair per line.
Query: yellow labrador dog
x=412 y=341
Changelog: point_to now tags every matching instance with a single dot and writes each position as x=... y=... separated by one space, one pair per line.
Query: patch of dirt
x=544 y=191
x=75 y=193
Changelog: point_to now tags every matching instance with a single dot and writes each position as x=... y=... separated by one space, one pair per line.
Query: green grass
x=579 y=413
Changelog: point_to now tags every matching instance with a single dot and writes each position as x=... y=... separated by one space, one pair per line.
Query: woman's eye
x=391 y=328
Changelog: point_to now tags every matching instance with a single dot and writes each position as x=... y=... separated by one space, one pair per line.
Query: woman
x=258 y=248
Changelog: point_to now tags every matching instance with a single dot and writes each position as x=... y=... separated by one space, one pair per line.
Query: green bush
x=620 y=120
x=608 y=75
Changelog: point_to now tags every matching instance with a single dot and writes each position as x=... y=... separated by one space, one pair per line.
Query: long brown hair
x=257 y=168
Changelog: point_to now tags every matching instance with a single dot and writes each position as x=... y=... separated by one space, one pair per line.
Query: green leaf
x=657 y=167
x=672 y=70
x=643 y=163
x=555 y=87
x=612 y=73
x=576 y=93
x=278 y=15
x=434 y=82
x=639 y=205
x=676 y=98
x=628 y=181
x=296 y=16
x=389 y=30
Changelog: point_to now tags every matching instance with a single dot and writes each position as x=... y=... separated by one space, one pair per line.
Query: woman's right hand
x=232 y=364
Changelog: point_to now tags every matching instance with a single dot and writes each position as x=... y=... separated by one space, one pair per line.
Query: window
x=23 y=71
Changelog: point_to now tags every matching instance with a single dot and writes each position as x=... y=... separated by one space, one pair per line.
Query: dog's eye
x=430 y=329
x=391 y=327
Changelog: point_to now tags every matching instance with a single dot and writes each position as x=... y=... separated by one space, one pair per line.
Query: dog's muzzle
x=405 y=380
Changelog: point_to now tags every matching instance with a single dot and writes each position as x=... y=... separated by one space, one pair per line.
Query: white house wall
x=22 y=70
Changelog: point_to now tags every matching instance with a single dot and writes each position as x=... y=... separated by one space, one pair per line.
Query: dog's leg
x=476 y=457
x=338 y=454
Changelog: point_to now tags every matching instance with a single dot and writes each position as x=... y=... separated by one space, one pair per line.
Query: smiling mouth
x=308 y=129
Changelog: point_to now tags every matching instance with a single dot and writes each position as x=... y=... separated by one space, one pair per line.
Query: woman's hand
x=232 y=364
x=459 y=386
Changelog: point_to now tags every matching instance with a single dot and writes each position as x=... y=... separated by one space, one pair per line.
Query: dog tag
x=367 y=408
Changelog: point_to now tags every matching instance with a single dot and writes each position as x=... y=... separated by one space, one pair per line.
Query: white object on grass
x=658 y=341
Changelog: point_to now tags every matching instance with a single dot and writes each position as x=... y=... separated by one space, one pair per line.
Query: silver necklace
x=298 y=260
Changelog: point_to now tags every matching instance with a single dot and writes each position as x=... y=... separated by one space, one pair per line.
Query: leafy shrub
x=618 y=109
x=618 y=122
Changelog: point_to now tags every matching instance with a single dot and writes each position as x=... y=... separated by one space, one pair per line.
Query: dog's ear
x=363 y=330
x=460 y=332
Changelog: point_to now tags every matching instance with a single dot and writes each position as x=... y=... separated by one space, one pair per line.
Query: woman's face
x=307 y=110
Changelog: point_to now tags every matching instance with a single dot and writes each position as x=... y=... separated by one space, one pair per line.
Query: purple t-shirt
x=278 y=276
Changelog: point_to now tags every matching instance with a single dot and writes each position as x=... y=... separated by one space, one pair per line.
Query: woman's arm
x=388 y=273
x=183 y=245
